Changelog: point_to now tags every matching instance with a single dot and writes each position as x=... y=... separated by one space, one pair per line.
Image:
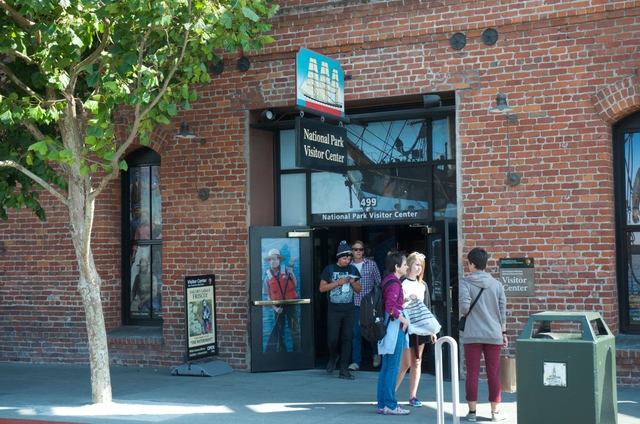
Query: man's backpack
x=371 y=318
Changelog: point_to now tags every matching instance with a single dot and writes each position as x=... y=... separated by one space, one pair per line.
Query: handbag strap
x=474 y=301
x=383 y=288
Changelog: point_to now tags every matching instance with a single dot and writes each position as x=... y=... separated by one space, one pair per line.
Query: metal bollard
x=455 y=391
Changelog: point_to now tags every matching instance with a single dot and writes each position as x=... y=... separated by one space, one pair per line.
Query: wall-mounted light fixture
x=268 y=115
x=431 y=100
x=185 y=132
x=243 y=64
x=503 y=108
x=217 y=67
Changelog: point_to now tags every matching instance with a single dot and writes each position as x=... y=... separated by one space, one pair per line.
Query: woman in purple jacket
x=390 y=347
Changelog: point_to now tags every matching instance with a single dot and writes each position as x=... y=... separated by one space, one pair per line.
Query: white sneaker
x=498 y=416
x=353 y=367
x=398 y=411
x=377 y=360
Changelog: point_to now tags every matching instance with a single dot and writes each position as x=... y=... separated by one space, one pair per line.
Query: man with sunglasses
x=369 y=276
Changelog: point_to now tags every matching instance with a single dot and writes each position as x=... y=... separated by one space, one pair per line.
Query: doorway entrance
x=437 y=240
x=288 y=312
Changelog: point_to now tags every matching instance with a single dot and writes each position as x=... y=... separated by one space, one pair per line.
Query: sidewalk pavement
x=62 y=393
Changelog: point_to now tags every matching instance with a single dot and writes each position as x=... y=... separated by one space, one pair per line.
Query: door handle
x=282 y=302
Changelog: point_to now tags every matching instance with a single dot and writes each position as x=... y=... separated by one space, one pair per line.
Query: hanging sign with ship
x=320 y=84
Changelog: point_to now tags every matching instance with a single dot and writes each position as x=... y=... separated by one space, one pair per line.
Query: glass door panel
x=633 y=278
x=281 y=299
x=441 y=276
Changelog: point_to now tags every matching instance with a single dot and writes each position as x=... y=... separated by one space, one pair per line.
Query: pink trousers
x=472 y=353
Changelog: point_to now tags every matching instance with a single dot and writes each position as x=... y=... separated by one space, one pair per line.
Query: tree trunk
x=89 y=286
x=81 y=209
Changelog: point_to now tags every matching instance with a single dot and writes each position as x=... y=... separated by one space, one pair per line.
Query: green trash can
x=566 y=370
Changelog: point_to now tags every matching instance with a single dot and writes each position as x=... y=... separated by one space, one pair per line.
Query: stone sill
x=135 y=335
x=628 y=342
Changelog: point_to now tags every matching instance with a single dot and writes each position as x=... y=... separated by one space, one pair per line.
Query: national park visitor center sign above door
x=320 y=146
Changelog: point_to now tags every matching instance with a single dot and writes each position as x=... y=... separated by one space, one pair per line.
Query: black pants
x=292 y=315
x=340 y=322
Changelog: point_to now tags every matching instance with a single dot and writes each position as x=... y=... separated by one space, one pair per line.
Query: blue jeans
x=153 y=304
x=389 y=374
x=356 y=341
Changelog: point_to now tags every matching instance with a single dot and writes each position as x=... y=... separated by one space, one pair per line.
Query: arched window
x=627 y=177
x=142 y=239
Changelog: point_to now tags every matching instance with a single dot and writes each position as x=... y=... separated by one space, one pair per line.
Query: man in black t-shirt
x=340 y=281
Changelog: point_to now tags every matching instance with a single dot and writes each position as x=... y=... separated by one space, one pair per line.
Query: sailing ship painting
x=320 y=87
x=320 y=83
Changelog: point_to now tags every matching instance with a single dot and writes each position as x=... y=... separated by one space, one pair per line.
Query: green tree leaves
x=71 y=69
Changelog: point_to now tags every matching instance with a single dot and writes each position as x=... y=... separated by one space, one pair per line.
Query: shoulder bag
x=463 y=320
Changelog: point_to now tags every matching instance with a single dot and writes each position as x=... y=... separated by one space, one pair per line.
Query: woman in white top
x=414 y=288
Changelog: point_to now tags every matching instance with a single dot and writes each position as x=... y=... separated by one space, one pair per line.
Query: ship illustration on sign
x=320 y=86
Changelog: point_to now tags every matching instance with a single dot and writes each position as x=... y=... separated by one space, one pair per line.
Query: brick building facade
x=569 y=69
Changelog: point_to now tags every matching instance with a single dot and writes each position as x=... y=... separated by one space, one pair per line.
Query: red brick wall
x=569 y=69
x=628 y=366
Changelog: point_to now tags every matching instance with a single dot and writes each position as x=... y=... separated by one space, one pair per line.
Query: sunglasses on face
x=358 y=249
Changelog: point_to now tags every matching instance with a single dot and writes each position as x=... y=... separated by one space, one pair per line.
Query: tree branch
x=18 y=82
x=168 y=78
x=23 y=22
x=73 y=74
x=16 y=53
x=141 y=54
x=33 y=130
x=115 y=169
x=43 y=183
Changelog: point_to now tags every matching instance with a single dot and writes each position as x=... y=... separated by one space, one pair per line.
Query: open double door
x=288 y=330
